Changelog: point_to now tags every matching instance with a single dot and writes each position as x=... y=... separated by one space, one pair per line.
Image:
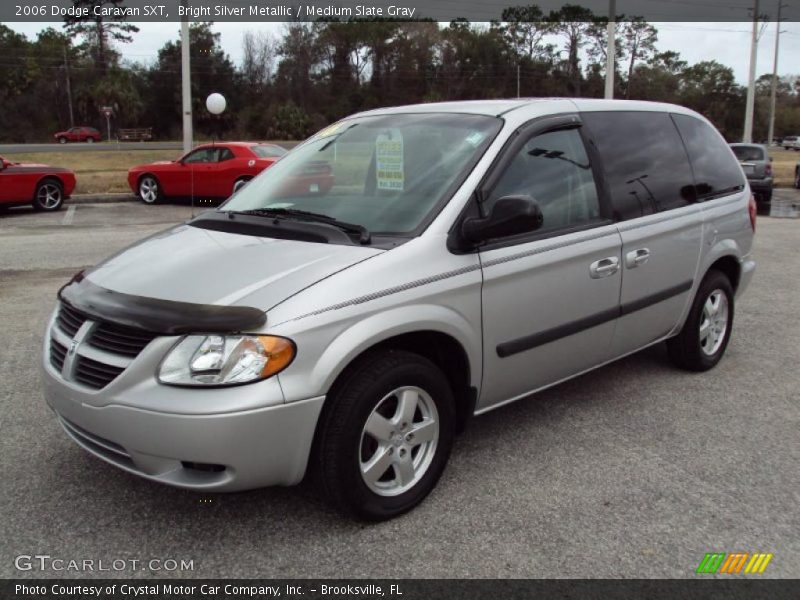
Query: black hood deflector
x=158 y=316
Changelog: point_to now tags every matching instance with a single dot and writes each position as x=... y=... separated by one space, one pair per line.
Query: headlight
x=225 y=359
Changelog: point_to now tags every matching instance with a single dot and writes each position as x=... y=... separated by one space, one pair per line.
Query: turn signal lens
x=752 y=207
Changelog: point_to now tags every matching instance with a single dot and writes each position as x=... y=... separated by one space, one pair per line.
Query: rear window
x=745 y=153
x=644 y=160
x=715 y=171
x=268 y=151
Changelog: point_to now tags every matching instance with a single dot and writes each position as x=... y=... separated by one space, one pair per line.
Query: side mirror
x=511 y=215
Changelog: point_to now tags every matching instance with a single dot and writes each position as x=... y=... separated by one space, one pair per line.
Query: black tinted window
x=744 y=153
x=715 y=171
x=554 y=169
x=644 y=160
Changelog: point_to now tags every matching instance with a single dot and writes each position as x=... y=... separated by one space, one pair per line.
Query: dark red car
x=27 y=183
x=78 y=134
x=211 y=171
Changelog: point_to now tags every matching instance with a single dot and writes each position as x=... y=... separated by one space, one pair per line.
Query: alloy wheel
x=49 y=196
x=148 y=190
x=398 y=441
x=714 y=322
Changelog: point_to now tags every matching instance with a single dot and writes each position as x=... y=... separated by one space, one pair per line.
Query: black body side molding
x=529 y=342
x=158 y=316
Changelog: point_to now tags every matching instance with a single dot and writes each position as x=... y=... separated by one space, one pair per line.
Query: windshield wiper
x=364 y=236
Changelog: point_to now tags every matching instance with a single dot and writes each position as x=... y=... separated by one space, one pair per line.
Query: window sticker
x=389 y=158
x=474 y=139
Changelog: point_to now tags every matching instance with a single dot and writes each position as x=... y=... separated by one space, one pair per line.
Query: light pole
x=774 y=90
x=611 y=47
x=186 y=83
x=747 y=137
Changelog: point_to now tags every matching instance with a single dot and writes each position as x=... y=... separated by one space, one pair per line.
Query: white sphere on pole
x=216 y=104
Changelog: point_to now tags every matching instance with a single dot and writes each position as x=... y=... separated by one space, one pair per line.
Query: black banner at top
x=436 y=10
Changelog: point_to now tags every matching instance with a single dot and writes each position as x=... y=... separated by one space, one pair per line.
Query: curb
x=101 y=198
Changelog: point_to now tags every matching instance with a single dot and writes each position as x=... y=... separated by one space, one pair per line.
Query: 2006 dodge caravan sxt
x=459 y=256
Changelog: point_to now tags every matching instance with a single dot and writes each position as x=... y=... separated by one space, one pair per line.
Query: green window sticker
x=389 y=158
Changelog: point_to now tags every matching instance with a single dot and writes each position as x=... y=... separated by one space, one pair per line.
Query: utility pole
x=69 y=89
x=751 y=84
x=611 y=47
x=186 y=83
x=517 y=80
x=774 y=90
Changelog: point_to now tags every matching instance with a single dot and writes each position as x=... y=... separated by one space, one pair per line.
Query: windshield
x=385 y=173
x=265 y=151
x=748 y=152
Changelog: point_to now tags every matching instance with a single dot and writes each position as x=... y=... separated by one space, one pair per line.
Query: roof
x=500 y=107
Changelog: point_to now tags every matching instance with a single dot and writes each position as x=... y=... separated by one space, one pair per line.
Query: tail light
x=753 y=210
x=768 y=170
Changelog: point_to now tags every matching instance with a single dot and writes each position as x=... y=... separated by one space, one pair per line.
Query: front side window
x=386 y=173
x=644 y=159
x=203 y=155
x=554 y=169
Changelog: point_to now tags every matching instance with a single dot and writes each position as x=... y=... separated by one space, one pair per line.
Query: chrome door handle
x=604 y=267
x=638 y=257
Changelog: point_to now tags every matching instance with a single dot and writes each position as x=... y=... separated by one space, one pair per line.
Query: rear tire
x=705 y=335
x=384 y=436
x=90 y=140
x=49 y=195
x=797 y=179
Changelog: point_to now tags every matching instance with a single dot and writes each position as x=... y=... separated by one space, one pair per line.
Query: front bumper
x=220 y=439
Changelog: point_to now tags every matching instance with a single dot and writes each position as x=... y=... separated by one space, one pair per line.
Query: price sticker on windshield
x=389 y=160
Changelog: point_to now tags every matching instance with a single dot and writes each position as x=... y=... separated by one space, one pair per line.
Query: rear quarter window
x=716 y=171
x=645 y=163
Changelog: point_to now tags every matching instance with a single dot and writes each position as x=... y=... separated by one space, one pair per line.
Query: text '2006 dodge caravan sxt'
x=349 y=309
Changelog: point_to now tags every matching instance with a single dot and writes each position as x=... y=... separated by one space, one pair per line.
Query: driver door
x=196 y=177
x=550 y=297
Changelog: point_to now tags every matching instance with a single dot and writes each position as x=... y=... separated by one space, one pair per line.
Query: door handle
x=604 y=267
x=638 y=257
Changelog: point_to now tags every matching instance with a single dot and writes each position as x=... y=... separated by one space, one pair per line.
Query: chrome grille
x=95 y=374
x=103 y=349
x=120 y=339
x=69 y=320
x=57 y=355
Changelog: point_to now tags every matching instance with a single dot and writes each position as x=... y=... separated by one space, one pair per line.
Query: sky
x=725 y=42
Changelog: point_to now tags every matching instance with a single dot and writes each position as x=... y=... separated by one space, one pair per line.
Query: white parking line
x=69 y=216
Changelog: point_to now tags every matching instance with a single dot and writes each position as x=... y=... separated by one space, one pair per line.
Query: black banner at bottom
x=401 y=589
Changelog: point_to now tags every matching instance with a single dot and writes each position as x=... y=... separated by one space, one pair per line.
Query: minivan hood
x=189 y=264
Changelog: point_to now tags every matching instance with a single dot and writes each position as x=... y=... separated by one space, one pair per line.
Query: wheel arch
x=48 y=177
x=730 y=266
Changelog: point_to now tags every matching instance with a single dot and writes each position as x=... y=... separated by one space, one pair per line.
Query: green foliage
x=292 y=84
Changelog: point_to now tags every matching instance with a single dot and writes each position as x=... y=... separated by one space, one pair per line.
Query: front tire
x=149 y=190
x=49 y=195
x=705 y=335
x=62 y=140
x=385 y=435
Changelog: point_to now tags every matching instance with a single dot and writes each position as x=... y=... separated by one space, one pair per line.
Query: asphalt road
x=635 y=470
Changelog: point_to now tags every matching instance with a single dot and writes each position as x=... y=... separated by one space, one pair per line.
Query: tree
x=639 y=39
x=98 y=32
x=573 y=23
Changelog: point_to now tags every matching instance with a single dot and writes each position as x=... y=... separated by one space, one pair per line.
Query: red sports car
x=78 y=134
x=27 y=183
x=211 y=171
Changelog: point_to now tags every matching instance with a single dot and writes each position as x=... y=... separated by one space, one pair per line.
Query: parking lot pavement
x=634 y=470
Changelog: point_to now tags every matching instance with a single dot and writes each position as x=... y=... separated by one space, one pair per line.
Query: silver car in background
x=757 y=166
x=345 y=314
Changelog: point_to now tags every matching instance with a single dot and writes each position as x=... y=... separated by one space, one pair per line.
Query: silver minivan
x=343 y=315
